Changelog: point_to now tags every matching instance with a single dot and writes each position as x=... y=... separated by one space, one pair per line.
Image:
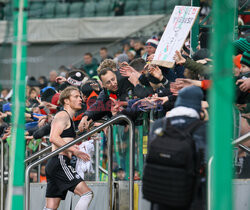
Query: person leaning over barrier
x=61 y=176
x=108 y=102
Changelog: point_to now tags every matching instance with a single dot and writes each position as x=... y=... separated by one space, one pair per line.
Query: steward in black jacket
x=187 y=110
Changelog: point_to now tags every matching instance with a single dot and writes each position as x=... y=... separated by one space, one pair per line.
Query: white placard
x=175 y=34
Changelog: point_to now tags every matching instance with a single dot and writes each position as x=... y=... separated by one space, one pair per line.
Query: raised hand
x=178 y=58
x=156 y=72
x=244 y=84
x=133 y=78
x=187 y=82
x=127 y=70
x=84 y=124
x=60 y=79
x=150 y=58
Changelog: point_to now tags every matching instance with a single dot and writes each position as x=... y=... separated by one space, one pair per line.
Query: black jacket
x=199 y=135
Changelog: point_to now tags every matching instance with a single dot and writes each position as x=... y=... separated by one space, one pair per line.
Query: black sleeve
x=142 y=92
x=100 y=108
x=170 y=103
x=41 y=132
x=144 y=80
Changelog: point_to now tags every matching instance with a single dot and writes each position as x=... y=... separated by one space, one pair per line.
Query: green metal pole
x=140 y=145
x=221 y=100
x=16 y=177
x=195 y=29
x=236 y=13
x=116 y=145
x=101 y=153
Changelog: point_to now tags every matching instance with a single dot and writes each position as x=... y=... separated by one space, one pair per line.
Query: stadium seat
x=185 y=2
x=7 y=11
x=62 y=10
x=49 y=10
x=89 y=9
x=170 y=6
x=144 y=7
x=1 y=12
x=158 y=7
x=102 y=8
x=76 y=9
x=35 y=9
x=130 y=7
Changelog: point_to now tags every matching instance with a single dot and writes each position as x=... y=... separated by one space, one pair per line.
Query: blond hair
x=66 y=93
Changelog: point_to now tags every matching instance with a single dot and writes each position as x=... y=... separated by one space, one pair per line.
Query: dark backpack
x=171 y=168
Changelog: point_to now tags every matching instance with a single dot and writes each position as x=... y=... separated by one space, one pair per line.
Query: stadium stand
x=7 y=12
x=35 y=9
x=103 y=8
x=91 y=8
x=62 y=10
x=49 y=10
x=76 y=9
x=144 y=7
x=158 y=7
x=131 y=7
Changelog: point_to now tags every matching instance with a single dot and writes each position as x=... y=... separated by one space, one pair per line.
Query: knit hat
x=245 y=59
x=242 y=45
x=89 y=87
x=153 y=79
x=75 y=77
x=122 y=58
x=152 y=42
x=47 y=93
x=236 y=60
x=190 y=97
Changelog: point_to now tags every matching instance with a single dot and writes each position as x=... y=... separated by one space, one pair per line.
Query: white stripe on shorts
x=65 y=168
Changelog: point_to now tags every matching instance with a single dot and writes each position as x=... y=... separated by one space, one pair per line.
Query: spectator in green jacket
x=90 y=65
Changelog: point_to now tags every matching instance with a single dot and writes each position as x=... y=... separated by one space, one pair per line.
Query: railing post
x=97 y=157
x=110 y=163
x=39 y=166
x=27 y=187
x=131 y=165
x=221 y=100
x=2 y=174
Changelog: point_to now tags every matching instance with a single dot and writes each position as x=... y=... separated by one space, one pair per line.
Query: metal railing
x=241 y=139
x=109 y=123
x=37 y=154
x=2 y=174
x=244 y=148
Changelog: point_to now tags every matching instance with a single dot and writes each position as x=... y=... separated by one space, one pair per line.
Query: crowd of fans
x=138 y=87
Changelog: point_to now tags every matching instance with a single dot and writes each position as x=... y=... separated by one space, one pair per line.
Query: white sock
x=84 y=201
x=47 y=208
